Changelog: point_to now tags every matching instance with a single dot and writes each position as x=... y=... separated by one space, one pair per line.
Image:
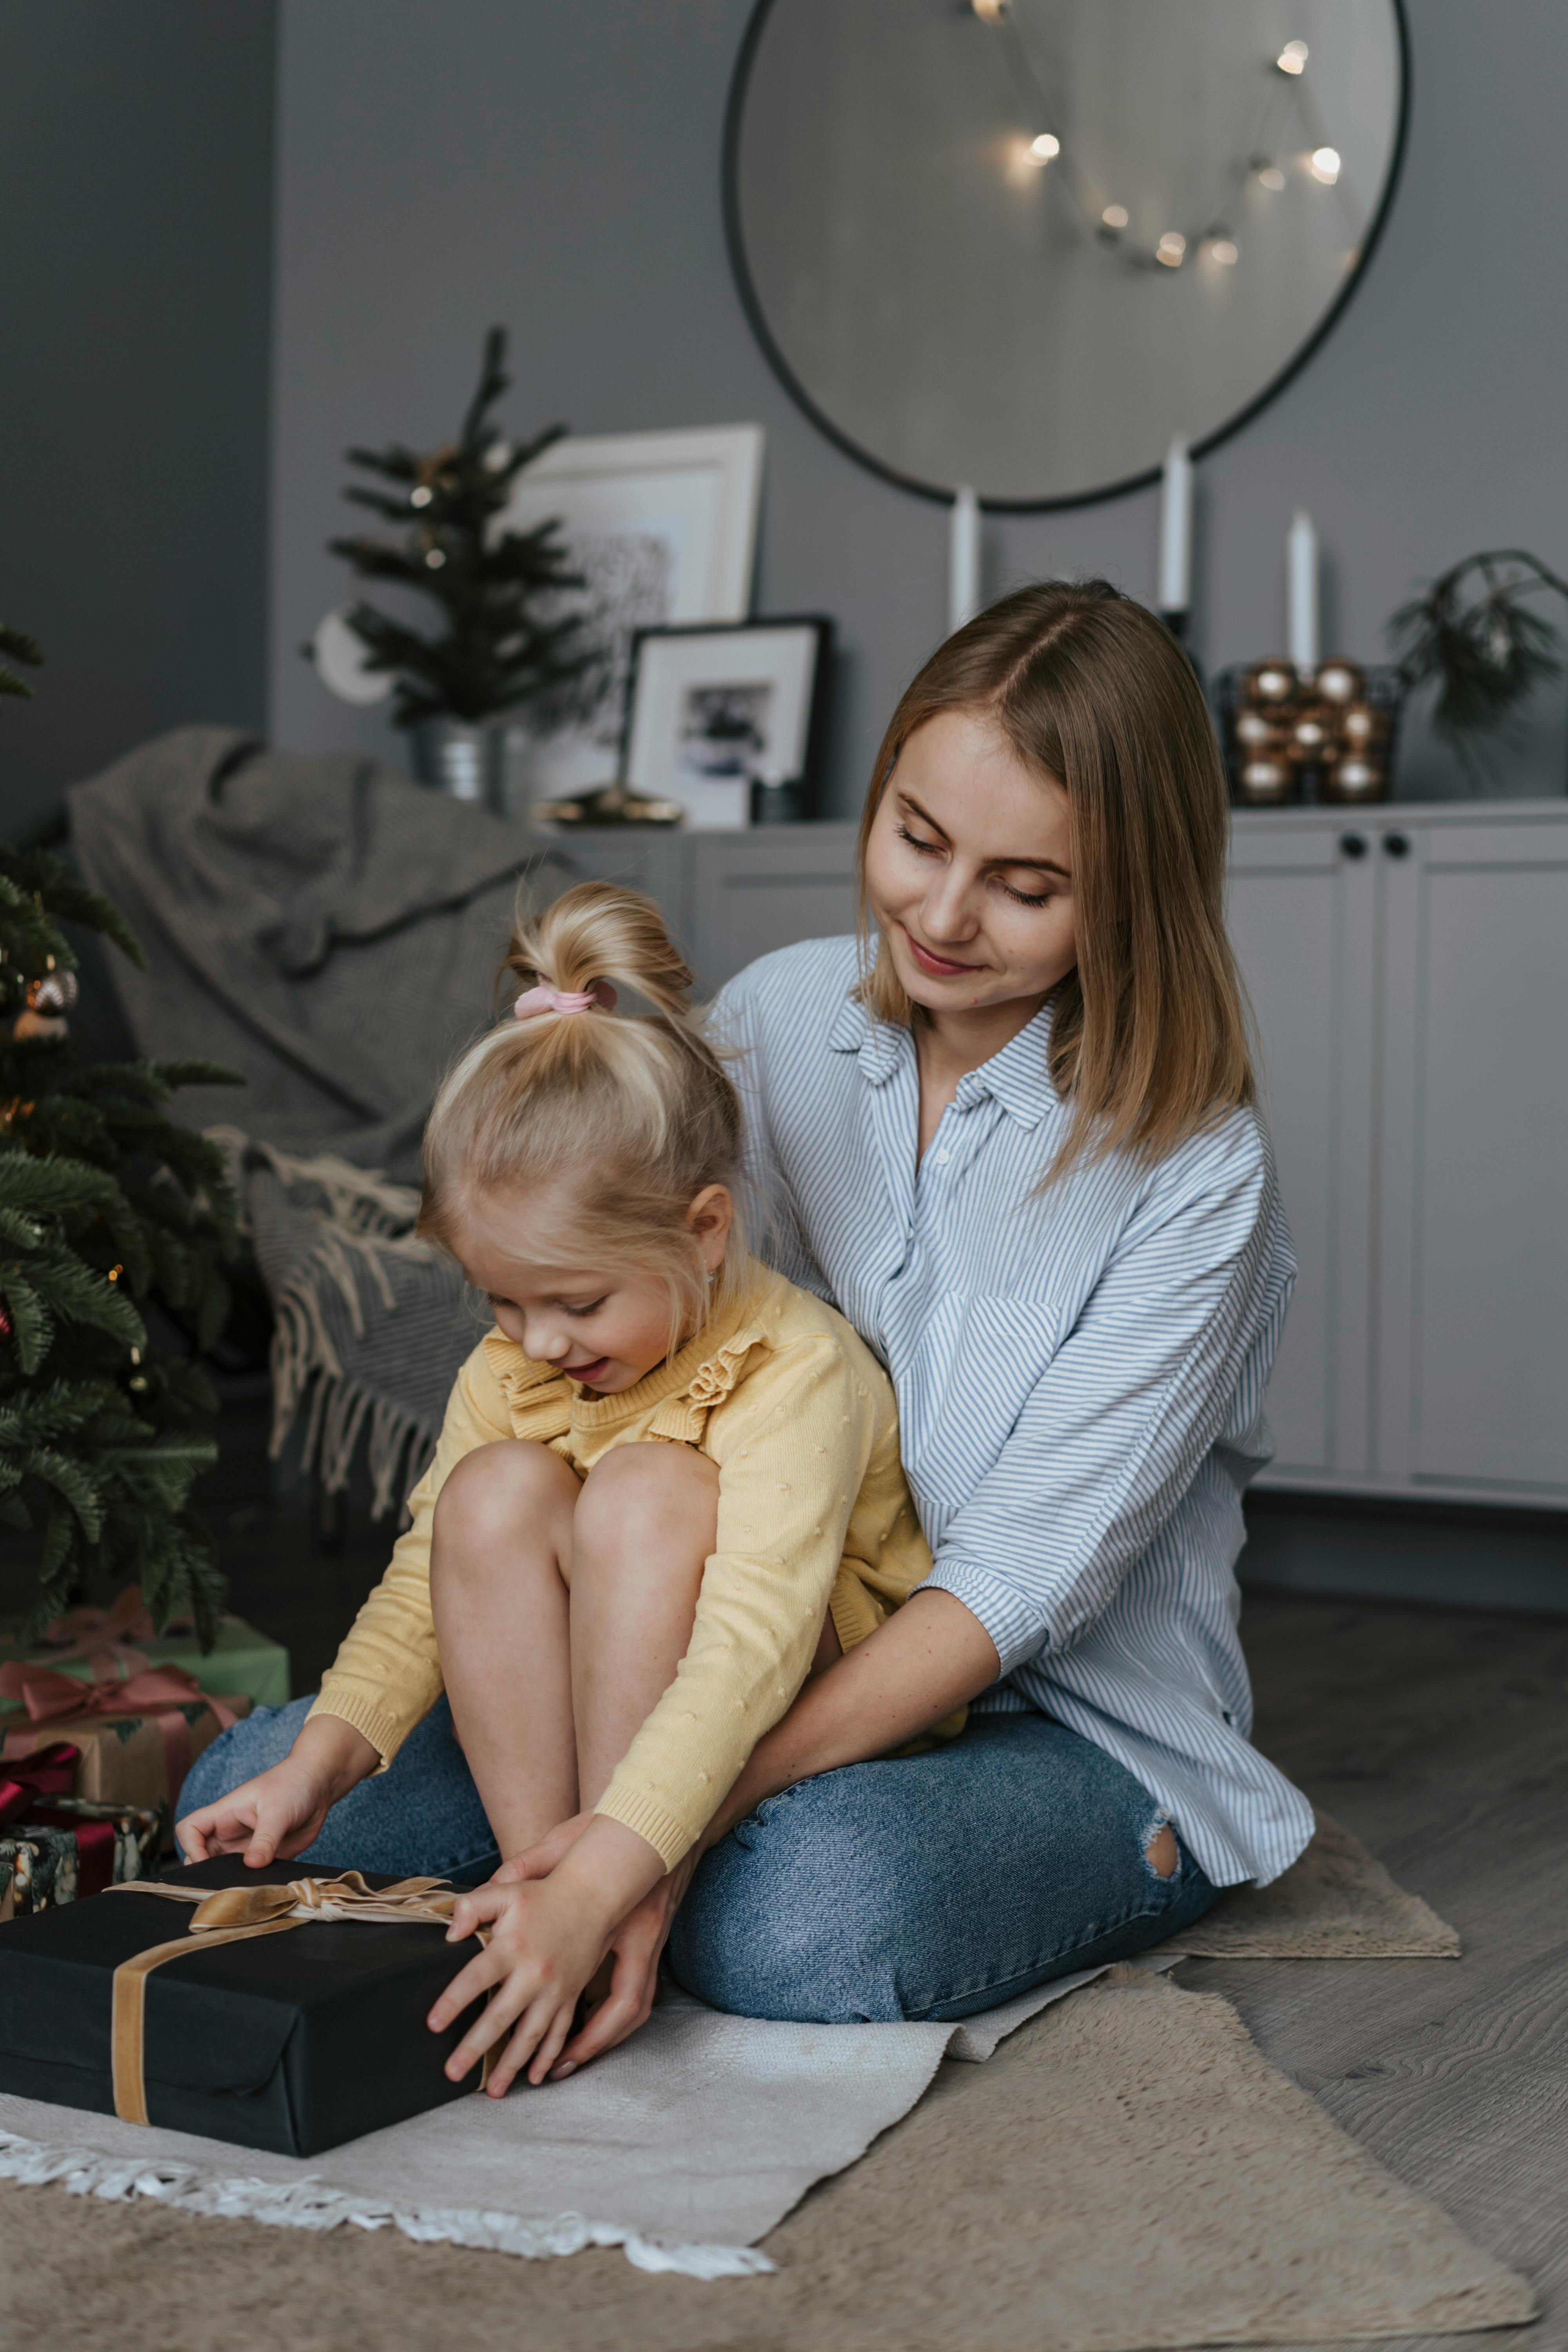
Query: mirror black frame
x=942 y=493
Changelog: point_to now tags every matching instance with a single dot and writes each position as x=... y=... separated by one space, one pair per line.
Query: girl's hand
x=278 y=1812
x=548 y=1937
x=540 y=1858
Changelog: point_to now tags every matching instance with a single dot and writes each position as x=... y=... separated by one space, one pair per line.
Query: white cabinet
x=1408 y=969
x=731 y=896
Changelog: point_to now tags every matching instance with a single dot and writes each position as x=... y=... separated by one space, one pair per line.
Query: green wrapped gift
x=240 y=1659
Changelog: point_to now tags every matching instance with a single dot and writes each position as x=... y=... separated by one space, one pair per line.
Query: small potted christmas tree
x=502 y=643
x=114 y=1218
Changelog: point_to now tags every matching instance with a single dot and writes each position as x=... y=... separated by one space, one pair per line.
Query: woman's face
x=969 y=869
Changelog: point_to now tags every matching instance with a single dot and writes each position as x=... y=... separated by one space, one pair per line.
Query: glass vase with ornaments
x=1293 y=735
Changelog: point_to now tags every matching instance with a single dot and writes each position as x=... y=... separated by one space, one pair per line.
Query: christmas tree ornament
x=1338 y=682
x=1269 y=683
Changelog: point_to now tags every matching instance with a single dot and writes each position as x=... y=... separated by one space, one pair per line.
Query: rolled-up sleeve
x=1168 y=1354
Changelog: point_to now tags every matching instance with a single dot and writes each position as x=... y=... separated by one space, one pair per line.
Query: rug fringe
x=311 y=2204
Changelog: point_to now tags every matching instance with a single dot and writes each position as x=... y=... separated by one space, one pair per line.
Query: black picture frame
x=821 y=629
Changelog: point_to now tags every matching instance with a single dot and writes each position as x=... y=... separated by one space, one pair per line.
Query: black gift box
x=294 y=2041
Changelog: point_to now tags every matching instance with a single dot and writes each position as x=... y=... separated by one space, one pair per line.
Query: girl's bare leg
x=500 y=1559
x=646 y=1521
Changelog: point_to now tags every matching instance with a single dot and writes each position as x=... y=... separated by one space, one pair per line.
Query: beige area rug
x=1129 y=2171
x=1336 y=1904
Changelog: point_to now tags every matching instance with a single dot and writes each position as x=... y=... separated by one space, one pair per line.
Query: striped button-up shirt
x=1080 y=1372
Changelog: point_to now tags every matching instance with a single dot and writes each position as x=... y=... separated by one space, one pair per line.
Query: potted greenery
x=1473 y=634
x=502 y=642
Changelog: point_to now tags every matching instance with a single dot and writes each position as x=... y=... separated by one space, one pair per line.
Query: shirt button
x=942 y=1158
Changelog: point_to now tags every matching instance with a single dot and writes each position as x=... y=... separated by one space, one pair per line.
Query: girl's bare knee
x=650 y=1469
x=494 y=1490
x=668 y=1489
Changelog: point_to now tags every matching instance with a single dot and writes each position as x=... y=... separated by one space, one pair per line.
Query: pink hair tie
x=562 y=999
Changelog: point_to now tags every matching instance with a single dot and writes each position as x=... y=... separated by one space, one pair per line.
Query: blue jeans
x=925 y=1886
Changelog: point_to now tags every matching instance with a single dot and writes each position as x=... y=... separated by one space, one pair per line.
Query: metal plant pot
x=464 y=759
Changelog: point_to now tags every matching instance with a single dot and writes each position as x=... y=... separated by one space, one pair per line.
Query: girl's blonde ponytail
x=610 y=1122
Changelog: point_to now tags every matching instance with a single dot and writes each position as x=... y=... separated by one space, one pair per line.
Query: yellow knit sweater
x=814 y=1513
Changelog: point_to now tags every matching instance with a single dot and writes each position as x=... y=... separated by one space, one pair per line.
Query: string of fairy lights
x=1288 y=128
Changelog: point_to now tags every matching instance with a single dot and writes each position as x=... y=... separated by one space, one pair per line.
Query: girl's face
x=969 y=869
x=604 y=1327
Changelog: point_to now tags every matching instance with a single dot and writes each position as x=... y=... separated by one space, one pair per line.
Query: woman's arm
x=929 y=1657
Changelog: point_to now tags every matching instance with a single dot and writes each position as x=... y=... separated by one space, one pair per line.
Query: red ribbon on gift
x=163 y=1692
x=51 y=1773
x=24 y=1796
x=108 y=1633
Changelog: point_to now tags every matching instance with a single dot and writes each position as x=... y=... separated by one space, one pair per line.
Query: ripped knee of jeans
x=1161 y=1851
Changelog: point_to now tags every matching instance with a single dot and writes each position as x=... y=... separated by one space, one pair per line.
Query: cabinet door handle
x=1352 y=846
x=1395 y=845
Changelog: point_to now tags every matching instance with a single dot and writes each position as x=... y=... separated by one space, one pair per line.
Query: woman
x=1020 y=1154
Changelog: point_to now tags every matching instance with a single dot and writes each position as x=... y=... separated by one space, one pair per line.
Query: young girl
x=667 y=1487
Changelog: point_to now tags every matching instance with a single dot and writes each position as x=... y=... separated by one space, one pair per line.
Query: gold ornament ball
x=1340 y=682
x=1363 y=726
x=1311 y=739
x=1269 y=682
x=1257 y=731
x=1264 y=781
x=1357 y=779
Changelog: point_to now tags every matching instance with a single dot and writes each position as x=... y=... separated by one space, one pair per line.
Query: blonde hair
x=1149 y=1033
x=637 y=1110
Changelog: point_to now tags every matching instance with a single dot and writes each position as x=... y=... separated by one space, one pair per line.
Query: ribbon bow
x=230 y=1916
x=84 y=1633
x=48 y=1772
x=160 y=1691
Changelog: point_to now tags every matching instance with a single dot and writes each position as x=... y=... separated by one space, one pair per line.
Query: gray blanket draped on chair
x=332 y=932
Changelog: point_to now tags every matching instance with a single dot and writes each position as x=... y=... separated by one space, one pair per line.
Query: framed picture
x=712 y=711
x=663 y=528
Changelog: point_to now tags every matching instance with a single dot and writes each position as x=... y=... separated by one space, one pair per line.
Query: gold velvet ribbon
x=233 y=1914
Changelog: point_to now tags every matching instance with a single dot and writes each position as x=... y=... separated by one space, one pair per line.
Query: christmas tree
x=108 y=1210
x=503 y=641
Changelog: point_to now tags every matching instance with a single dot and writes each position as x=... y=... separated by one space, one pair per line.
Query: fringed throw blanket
x=371 y=1324
x=333 y=932
x=323 y=926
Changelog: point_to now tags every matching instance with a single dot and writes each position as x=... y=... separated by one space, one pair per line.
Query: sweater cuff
x=383 y=1731
x=1013 y=1623
x=668 y=1839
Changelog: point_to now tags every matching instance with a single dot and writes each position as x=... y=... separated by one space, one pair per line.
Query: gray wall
x=557 y=167
x=136 y=189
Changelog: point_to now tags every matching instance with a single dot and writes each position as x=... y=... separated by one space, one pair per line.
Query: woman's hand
x=635 y=1948
x=280 y=1812
x=548 y=1937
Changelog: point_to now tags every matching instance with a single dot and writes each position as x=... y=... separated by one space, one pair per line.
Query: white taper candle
x=1176 y=529
x=1301 y=575
x=964 y=558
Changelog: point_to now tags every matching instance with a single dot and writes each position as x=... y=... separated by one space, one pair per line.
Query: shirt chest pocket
x=978 y=1360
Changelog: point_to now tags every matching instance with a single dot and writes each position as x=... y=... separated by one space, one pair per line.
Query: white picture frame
x=713 y=711
x=664 y=525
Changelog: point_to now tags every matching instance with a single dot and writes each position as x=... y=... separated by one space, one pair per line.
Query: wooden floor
x=1440 y=1737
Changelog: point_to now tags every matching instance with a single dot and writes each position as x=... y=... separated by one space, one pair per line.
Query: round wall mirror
x=1020 y=244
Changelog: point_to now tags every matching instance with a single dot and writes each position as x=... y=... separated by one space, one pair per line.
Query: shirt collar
x=1018 y=1078
x=878 y=1046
